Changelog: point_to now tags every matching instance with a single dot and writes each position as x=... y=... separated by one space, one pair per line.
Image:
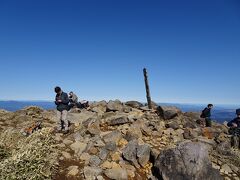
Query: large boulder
x=130 y=153
x=78 y=118
x=168 y=112
x=115 y=106
x=99 y=107
x=134 y=104
x=189 y=160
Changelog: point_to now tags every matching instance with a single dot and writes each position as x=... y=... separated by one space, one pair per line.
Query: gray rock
x=115 y=106
x=94 y=161
x=188 y=160
x=119 y=121
x=190 y=133
x=226 y=169
x=143 y=154
x=73 y=171
x=117 y=174
x=91 y=172
x=130 y=153
x=111 y=146
x=99 y=107
x=94 y=128
x=103 y=154
x=168 y=112
x=134 y=104
x=133 y=133
x=78 y=147
x=174 y=125
x=114 y=136
x=66 y=155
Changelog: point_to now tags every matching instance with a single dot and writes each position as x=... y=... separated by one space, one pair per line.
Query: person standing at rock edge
x=206 y=114
x=62 y=102
x=235 y=130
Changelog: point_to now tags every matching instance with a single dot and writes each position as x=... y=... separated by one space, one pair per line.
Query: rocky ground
x=115 y=140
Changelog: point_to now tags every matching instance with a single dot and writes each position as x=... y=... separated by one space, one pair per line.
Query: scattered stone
x=116 y=156
x=93 y=151
x=114 y=136
x=119 y=121
x=73 y=171
x=174 y=125
x=111 y=146
x=106 y=165
x=143 y=154
x=78 y=148
x=94 y=161
x=116 y=174
x=91 y=172
x=85 y=157
x=130 y=153
x=103 y=154
x=226 y=169
x=100 y=178
x=66 y=155
x=67 y=142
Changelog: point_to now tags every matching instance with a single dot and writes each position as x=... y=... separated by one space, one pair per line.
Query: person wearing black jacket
x=235 y=130
x=206 y=113
x=62 y=102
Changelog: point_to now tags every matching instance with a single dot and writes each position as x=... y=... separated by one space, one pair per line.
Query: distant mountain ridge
x=220 y=113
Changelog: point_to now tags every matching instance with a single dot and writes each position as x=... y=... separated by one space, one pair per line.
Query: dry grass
x=32 y=157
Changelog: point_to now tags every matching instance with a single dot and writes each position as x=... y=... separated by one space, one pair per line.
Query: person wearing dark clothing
x=62 y=102
x=235 y=130
x=73 y=99
x=206 y=114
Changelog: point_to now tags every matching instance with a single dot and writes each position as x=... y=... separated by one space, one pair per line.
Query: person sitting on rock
x=206 y=114
x=62 y=102
x=235 y=130
x=73 y=99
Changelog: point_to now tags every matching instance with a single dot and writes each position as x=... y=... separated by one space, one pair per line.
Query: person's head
x=71 y=93
x=58 y=90
x=210 y=106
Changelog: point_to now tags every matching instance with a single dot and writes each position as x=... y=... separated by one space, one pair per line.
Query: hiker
x=73 y=99
x=206 y=114
x=235 y=130
x=62 y=101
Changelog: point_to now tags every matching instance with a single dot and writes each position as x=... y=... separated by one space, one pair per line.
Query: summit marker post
x=149 y=101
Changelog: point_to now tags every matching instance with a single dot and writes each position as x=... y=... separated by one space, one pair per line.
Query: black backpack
x=203 y=114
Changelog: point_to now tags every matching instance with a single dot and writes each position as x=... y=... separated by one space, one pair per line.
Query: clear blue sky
x=98 y=49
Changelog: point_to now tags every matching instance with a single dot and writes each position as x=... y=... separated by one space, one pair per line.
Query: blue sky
x=99 y=48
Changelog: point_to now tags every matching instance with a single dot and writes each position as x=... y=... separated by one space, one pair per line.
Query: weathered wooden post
x=147 y=88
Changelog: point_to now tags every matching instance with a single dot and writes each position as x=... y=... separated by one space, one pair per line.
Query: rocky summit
x=115 y=140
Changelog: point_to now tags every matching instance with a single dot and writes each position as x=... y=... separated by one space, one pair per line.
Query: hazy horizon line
x=185 y=103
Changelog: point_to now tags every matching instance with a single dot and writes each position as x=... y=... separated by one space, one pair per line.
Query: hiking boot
x=65 y=131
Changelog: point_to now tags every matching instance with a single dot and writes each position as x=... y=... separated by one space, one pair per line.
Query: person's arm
x=232 y=123
x=56 y=102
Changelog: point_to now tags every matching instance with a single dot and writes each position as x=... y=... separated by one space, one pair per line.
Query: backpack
x=203 y=114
